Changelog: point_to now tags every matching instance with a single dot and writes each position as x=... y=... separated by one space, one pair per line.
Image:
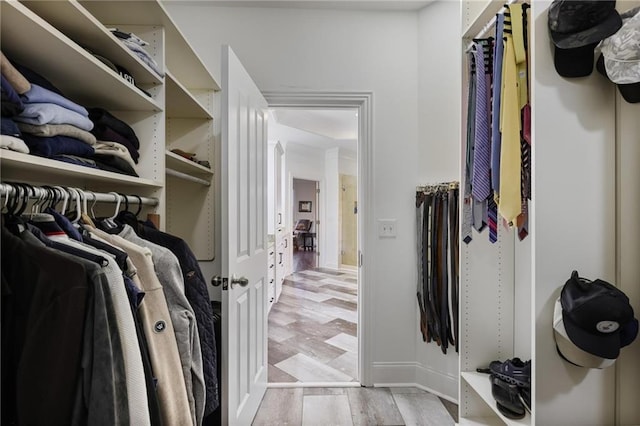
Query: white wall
x=573 y=210
x=341 y=50
x=348 y=164
x=439 y=150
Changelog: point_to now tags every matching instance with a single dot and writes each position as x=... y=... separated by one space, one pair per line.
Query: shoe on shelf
x=513 y=371
x=525 y=397
x=507 y=398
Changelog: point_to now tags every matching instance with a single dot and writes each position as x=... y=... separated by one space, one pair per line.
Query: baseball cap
x=597 y=316
x=621 y=53
x=576 y=62
x=568 y=350
x=575 y=28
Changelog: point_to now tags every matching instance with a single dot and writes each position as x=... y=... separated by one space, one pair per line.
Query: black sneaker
x=513 y=371
x=525 y=397
x=507 y=398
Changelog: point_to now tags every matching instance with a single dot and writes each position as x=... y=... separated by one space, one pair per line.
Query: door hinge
x=317 y=190
x=361 y=259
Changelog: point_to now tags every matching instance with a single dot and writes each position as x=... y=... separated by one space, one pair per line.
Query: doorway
x=313 y=331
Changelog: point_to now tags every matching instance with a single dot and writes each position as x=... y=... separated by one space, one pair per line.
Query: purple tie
x=481 y=184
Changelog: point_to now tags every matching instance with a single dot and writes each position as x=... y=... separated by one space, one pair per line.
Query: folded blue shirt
x=46 y=113
x=9 y=127
x=57 y=145
x=40 y=95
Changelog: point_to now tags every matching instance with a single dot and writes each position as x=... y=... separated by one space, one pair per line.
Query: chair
x=300 y=231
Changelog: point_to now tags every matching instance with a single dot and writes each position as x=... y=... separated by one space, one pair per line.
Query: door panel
x=349 y=221
x=244 y=255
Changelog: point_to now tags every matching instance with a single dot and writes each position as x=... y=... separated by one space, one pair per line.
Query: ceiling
x=317 y=128
x=406 y=5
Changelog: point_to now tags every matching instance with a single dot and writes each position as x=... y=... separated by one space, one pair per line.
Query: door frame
x=363 y=102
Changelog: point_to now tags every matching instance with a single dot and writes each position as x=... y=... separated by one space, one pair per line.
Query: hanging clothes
x=86 y=337
x=165 y=358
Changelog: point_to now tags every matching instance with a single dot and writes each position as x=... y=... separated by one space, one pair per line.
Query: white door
x=243 y=177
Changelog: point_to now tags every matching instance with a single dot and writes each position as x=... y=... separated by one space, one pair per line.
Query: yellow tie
x=510 y=160
x=517 y=31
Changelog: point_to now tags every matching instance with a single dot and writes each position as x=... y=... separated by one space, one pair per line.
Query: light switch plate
x=387 y=228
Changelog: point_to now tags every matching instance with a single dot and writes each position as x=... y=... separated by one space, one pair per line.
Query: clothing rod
x=187 y=177
x=41 y=193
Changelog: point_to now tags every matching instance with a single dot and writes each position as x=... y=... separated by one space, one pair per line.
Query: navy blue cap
x=597 y=316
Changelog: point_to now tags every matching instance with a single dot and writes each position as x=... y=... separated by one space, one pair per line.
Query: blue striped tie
x=481 y=184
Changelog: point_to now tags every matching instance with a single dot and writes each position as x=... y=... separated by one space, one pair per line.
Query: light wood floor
x=354 y=406
x=313 y=338
x=313 y=328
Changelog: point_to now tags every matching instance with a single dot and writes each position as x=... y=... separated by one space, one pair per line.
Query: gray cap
x=578 y=23
x=621 y=51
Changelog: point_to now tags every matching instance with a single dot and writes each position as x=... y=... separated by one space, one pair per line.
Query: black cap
x=630 y=92
x=574 y=23
x=577 y=62
x=595 y=313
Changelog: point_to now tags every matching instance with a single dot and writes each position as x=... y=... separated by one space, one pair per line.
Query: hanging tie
x=510 y=191
x=496 y=136
x=517 y=31
x=481 y=183
x=467 y=208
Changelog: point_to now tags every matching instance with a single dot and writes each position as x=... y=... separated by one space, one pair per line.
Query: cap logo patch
x=607 y=326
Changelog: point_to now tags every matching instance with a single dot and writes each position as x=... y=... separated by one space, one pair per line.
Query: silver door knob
x=217 y=281
x=242 y=281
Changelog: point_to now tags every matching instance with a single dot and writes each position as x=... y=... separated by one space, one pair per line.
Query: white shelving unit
x=17 y=166
x=188 y=92
x=481 y=384
x=508 y=289
x=74 y=70
x=73 y=20
x=493 y=283
x=51 y=37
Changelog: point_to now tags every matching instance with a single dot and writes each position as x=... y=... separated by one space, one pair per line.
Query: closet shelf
x=79 y=75
x=181 y=164
x=73 y=20
x=481 y=384
x=181 y=59
x=25 y=167
x=181 y=103
x=480 y=421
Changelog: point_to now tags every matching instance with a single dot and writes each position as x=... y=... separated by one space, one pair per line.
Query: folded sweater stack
x=38 y=119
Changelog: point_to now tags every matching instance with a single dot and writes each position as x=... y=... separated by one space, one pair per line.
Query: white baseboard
x=412 y=374
x=348 y=267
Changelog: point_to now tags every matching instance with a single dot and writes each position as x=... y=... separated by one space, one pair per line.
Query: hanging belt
x=443 y=239
x=436 y=277
x=453 y=264
x=420 y=197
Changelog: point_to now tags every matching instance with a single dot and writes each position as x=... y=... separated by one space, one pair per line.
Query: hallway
x=313 y=328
